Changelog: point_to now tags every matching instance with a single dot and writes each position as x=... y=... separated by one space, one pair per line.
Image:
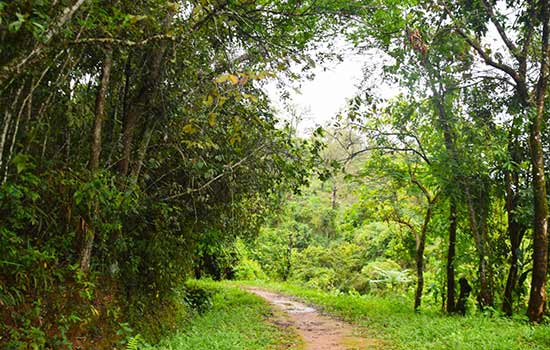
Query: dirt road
x=319 y=332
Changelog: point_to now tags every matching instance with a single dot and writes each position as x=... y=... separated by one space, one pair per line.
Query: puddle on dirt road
x=292 y=307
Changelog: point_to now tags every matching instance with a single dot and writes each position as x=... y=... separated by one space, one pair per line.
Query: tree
x=399 y=192
x=447 y=45
x=529 y=46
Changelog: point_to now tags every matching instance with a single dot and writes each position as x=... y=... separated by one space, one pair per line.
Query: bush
x=321 y=278
x=334 y=267
x=248 y=269
x=197 y=297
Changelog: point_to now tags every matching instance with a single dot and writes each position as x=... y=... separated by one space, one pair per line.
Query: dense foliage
x=135 y=144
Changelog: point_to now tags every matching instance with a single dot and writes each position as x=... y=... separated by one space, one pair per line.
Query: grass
x=236 y=321
x=394 y=322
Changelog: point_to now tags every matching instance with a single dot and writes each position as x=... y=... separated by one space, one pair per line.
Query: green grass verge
x=394 y=321
x=236 y=321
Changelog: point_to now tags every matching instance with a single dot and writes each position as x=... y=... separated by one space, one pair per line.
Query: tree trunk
x=14 y=137
x=445 y=126
x=100 y=109
x=485 y=297
x=451 y=257
x=139 y=107
x=4 y=134
x=288 y=266
x=508 y=302
x=515 y=234
x=142 y=102
x=419 y=276
x=142 y=151
x=130 y=122
x=465 y=290
x=9 y=110
x=86 y=230
x=333 y=194
x=87 y=244
x=420 y=246
x=421 y=241
x=537 y=297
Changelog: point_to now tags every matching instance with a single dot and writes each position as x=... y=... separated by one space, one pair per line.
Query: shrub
x=248 y=269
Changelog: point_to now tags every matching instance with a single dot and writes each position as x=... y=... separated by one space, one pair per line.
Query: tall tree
x=525 y=43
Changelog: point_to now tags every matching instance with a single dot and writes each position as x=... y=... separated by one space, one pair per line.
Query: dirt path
x=319 y=332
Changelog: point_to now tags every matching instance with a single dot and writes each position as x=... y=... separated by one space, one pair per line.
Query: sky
x=319 y=100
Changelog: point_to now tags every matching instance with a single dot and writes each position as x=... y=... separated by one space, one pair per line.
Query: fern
x=134 y=342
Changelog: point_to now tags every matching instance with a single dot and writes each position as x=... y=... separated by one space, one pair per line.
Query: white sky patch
x=316 y=102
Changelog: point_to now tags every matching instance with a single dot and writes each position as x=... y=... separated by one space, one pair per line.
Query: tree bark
x=420 y=239
x=508 y=300
x=142 y=103
x=537 y=297
x=100 y=109
x=140 y=106
x=86 y=230
x=420 y=247
x=142 y=150
x=515 y=230
x=445 y=126
x=87 y=244
x=9 y=110
x=4 y=134
x=451 y=251
x=485 y=296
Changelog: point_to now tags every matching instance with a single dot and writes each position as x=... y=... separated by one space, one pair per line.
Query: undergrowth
x=230 y=320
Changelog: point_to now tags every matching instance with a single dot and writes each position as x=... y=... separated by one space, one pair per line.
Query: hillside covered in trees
x=139 y=149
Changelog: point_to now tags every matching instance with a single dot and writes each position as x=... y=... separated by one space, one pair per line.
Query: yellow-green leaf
x=209 y=101
x=234 y=79
x=250 y=97
x=234 y=139
x=227 y=77
x=189 y=129
x=212 y=119
x=222 y=78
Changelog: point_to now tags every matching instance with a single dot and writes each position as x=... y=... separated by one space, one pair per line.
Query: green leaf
x=21 y=163
x=15 y=26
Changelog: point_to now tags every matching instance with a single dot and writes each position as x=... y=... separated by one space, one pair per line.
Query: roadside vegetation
x=227 y=318
x=393 y=324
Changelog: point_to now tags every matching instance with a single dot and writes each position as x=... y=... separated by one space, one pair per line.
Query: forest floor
x=319 y=331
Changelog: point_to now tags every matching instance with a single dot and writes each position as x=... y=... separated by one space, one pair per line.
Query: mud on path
x=319 y=332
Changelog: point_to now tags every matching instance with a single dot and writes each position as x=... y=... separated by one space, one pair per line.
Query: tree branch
x=16 y=65
x=483 y=54
x=110 y=41
x=229 y=168
x=511 y=46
